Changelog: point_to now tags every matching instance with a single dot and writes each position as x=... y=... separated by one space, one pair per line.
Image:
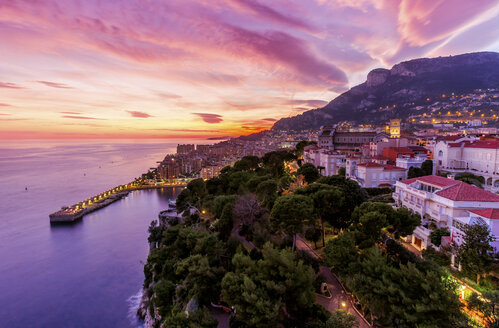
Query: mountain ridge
x=404 y=87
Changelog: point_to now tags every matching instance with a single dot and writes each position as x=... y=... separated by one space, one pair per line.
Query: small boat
x=172 y=204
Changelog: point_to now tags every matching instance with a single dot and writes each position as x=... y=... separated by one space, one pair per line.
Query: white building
x=442 y=202
x=480 y=157
x=328 y=162
x=489 y=217
x=374 y=175
x=407 y=162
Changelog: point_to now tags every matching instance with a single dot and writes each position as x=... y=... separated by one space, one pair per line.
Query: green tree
x=291 y=213
x=476 y=254
x=471 y=179
x=247 y=163
x=341 y=252
x=267 y=193
x=351 y=191
x=300 y=146
x=342 y=171
x=341 y=319
x=201 y=280
x=329 y=204
x=274 y=162
x=164 y=292
x=309 y=172
x=437 y=234
x=369 y=218
x=427 y=167
x=226 y=222
x=201 y=318
x=402 y=222
x=192 y=196
x=264 y=291
x=313 y=234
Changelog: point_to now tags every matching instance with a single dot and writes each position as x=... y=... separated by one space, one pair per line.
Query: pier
x=78 y=210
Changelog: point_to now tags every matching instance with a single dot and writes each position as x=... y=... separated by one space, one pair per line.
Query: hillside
x=407 y=88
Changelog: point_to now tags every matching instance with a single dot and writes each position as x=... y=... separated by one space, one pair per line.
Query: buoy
x=26 y=188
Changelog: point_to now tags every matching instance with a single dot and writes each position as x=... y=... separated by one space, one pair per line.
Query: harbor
x=76 y=211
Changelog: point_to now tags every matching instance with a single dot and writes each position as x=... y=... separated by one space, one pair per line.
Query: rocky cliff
x=403 y=89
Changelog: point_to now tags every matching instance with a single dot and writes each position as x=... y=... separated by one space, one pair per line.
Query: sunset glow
x=197 y=69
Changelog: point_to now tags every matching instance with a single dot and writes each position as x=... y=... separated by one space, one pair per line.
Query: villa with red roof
x=443 y=202
x=480 y=157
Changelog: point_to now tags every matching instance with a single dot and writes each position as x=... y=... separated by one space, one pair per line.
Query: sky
x=86 y=69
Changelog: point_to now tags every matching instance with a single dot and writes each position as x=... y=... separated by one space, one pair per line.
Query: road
x=339 y=298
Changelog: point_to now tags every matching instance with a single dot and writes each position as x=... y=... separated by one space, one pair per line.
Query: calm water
x=80 y=275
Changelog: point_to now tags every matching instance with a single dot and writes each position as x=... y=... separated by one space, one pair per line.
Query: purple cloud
x=308 y=102
x=9 y=85
x=55 y=85
x=264 y=11
x=138 y=114
x=209 y=118
x=71 y=113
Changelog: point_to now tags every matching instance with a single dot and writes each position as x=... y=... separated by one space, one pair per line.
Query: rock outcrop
x=405 y=86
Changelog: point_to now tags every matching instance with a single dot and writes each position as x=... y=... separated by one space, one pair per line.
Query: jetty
x=78 y=210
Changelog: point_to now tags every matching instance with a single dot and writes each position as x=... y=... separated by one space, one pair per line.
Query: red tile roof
x=371 y=164
x=433 y=180
x=389 y=167
x=489 y=144
x=449 y=138
x=462 y=191
x=489 y=213
x=456 y=190
x=401 y=150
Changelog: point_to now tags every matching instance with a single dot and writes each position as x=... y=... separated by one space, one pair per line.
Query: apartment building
x=373 y=175
x=480 y=157
x=443 y=202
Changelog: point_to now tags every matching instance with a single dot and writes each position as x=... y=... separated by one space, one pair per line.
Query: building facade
x=441 y=202
x=479 y=157
x=374 y=175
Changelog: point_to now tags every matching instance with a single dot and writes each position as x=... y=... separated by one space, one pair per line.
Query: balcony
x=422 y=232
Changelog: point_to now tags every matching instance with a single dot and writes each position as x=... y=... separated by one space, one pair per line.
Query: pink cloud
x=266 y=12
x=55 y=85
x=81 y=117
x=209 y=118
x=235 y=59
x=9 y=85
x=138 y=114
x=308 y=102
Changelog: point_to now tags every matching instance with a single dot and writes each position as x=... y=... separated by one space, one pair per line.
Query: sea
x=86 y=274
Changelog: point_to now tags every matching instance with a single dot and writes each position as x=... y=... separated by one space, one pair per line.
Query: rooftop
x=489 y=213
x=456 y=190
x=489 y=144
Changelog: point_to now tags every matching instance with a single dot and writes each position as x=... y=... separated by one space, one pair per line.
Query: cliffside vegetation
x=236 y=250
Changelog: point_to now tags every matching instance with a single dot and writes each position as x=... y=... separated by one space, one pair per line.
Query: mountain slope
x=399 y=91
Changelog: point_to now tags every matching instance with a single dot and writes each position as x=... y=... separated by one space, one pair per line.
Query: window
x=439 y=162
x=440 y=153
x=374 y=176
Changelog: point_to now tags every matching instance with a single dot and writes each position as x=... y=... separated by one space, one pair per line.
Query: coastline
x=79 y=210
